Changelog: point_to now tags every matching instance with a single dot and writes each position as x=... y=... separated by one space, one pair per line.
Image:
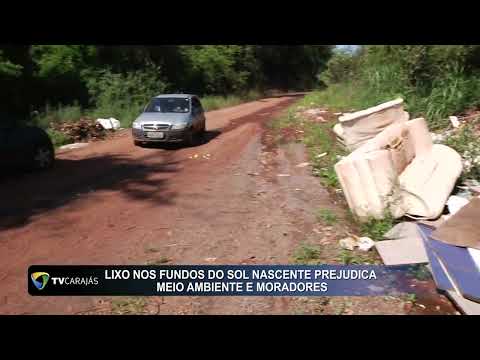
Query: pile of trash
x=449 y=245
x=87 y=129
x=83 y=129
x=314 y=115
x=394 y=166
x=397 y=166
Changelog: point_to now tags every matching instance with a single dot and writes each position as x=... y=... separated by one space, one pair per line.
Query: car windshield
x=168 y=105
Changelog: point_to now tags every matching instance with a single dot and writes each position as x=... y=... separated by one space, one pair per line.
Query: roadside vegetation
x=45 y=84
x=307 y=254
x=435 y=80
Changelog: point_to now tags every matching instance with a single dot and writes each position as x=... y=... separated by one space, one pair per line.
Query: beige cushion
x=428 y=181
x=399 y=170
x=359 y=127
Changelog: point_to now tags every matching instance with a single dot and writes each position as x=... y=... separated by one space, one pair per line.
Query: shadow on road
x=24 y=195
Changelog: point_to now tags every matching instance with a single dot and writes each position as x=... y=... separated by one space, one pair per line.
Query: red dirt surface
x=114 y=203
x=221 y=202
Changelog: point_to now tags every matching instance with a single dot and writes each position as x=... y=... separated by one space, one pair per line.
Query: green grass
x=319 y=140
x=376 y=228
x=283 y=121
x=326 y=216
x=306 y=254
x=420 y=272
x=58 y=138
x=58 y=114
x=348 y=257
x=339 y=97
x=317 y=137
x=466 y=142
x=218 y=102
x=452 y=93
x=412 y=298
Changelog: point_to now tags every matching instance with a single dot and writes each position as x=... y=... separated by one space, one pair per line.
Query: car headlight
x=179 y=126
x=136 y=125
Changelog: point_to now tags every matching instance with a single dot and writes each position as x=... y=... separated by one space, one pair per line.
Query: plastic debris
x=365 y=243
x=454 y=121
x=348 y=243
x=362 y=243
x=109 y=124
x=455 y=203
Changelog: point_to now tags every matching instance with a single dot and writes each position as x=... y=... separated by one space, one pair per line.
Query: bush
x=58 y=138
x=123 y=96
x=341 y=67
x=58 y=114
x=450 y=94
x=435 y=81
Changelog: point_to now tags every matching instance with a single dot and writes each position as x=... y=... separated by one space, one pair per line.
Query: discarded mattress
x=356 y=128
x=401 y=171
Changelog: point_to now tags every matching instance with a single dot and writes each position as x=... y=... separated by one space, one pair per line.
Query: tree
x=7 y=68
x=58 y=70
x=289 y=67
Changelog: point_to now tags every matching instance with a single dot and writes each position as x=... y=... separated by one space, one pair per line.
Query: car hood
x=163 y=118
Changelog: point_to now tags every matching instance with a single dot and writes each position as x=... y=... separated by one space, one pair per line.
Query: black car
x=25 y=147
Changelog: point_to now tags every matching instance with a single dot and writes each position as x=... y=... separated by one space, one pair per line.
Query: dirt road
x=218 y=203
x=113 y=203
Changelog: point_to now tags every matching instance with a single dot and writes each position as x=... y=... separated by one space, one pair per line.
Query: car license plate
x=155 y=135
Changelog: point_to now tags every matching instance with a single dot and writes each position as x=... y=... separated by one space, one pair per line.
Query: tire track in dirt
x=109 y=203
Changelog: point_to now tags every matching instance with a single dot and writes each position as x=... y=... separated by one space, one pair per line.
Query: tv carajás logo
x=40 y=279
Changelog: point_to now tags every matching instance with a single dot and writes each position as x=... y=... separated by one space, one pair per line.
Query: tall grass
x=379 y=79
x=217 y=102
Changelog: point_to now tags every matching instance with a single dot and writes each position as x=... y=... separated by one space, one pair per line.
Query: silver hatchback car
x=170 y=118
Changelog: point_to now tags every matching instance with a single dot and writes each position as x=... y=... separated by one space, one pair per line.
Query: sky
x=349 y=48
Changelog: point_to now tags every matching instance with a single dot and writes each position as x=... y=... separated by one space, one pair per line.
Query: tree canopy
x=34 y=75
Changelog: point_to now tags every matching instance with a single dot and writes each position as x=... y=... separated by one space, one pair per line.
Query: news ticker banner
x=218 y=280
